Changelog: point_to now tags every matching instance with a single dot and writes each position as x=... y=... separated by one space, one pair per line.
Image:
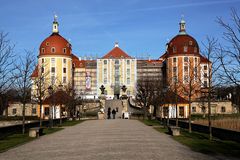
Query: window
x=181 y=111
x=195 y=49
x=14 y=111
x=52 y=60
x=64 y=70
x=185 y=59
x=128 y=62
x=46 y=111
x=53 y=69
x=128 y=80
x=64 y=50
x=128 y=93
x=47 y=43
x=105 y=61
x=43 y=50
x=52 y=80
x=42 y=69
x=203 y=109
x=190 y=43
x=64 y=61
x=205 y=84
x=185 y=48
x=34 y=111
x=205 y=75
x=223 y=109
x=116 y=61
x=174 y=60
x=174 y=49
x=193 y=109
x=185 y=68
x=128 y=72
x=174 y=69
x=64 y=80
x=42 y=60
x=205 y=67
x=105 y=75
x=195 y=59
x=53 y=50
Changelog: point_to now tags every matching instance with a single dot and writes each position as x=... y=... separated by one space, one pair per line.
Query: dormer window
x=53 y=50
x=185 y=48
x=174 y=49
x=195 y=49
x=43 y=50
x=47 y=43
x=64 y=50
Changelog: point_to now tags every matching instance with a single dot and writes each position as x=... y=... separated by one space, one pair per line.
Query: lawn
x=199 y=142
x=19 y=139
x=71 y=123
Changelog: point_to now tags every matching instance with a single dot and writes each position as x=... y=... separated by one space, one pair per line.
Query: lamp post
x=50 y=91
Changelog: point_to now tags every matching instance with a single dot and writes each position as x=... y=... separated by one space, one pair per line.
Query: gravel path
x=104 y=140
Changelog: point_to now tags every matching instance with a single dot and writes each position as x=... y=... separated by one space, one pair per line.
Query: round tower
x=54 y=59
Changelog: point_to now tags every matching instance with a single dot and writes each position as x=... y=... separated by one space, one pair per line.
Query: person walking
x=109 y=113
x=113 y=113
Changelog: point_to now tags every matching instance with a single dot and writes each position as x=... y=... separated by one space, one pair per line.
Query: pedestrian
x=109 y=113
x=113 y=113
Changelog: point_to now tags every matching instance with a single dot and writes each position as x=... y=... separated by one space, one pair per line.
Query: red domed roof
x=55 y=44
x=183 y=44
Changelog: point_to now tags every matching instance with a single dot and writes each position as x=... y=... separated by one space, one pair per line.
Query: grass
x=19 y=139
x=199 y=142
x=71 y=123
x=151 y=122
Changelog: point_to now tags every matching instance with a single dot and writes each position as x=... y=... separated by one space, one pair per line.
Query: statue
x=102 y=88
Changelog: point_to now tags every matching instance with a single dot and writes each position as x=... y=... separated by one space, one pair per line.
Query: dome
x=183 y=44
x=55 y=44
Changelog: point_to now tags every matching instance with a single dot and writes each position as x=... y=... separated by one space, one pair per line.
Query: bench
x=174 y=131
x=35 y=132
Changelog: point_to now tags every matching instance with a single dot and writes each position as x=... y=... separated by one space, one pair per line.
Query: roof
x=116 y=53
x=59 y=97
x=61 y=45
x=204 y=59
x=170 y=98
x=35 y=72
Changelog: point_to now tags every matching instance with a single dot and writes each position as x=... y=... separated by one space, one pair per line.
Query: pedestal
x=100 y=116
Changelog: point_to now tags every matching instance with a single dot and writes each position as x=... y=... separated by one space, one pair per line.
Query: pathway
x=104 y=140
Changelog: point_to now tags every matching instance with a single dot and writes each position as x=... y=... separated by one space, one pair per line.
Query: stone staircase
x=114 y=104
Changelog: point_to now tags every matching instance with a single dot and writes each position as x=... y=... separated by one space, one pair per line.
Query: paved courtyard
x=104 y=140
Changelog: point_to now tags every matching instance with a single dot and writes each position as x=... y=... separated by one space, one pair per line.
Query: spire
x=182 y=26
x=116 y=44
x=55 y=25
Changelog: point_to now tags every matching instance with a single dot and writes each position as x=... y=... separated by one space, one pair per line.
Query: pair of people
x=109 y=113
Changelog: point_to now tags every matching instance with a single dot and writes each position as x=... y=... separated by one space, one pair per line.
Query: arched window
x=43 y=50
x=53 y=50
x=64 y=50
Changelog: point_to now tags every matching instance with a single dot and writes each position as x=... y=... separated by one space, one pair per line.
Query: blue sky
x=142 y=27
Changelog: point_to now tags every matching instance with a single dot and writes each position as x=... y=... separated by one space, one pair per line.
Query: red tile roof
x=170 y=98
x=204 y=59
x=116 y=52
x=35 y=72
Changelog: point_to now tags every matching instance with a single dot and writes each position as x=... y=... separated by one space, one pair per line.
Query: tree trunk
x=189 y=116
x=209 y=117
x=40 y=116
x=23 y=120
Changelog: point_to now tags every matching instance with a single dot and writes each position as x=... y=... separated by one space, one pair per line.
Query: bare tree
x=6 y=69
x=40 y=87
x=210 y=53
x=230 y=52
x=23 y=82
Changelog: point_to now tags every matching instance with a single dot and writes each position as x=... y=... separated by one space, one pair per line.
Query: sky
x=141 y=27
